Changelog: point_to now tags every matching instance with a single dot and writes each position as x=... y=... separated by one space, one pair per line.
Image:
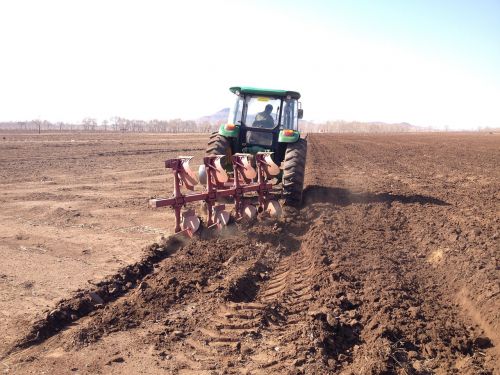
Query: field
x=391 y=266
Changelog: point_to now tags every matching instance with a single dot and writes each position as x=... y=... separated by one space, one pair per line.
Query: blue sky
x=430 y=63
x=464 y=32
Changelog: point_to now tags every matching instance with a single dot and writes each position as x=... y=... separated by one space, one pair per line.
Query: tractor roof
x=265 y=92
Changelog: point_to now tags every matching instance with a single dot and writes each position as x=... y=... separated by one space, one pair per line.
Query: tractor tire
x=219 y=145
x=294 y=166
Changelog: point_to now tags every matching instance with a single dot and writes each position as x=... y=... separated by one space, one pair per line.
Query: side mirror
x=300 y=113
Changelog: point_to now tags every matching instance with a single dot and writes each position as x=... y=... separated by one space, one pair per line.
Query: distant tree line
x=123 y=125
x=363 y=127
x=114 y=124
x=378 y=127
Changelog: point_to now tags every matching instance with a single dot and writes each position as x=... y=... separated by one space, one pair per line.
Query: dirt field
x=74 y=210
x=391 y=267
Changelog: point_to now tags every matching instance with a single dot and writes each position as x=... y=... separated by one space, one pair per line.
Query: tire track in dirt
x=209 y=347
x=254 y=333
x=283 y=328
x=287 y=294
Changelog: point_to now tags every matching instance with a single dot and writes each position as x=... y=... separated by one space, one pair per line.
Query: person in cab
x=264 y=119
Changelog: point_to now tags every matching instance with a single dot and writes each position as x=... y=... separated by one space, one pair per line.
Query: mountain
x=216 y=118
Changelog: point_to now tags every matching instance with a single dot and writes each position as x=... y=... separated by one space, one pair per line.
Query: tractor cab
x=262 y=119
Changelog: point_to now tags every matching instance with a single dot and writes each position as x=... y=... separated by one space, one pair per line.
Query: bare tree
x=89 y=123
x=38 y=124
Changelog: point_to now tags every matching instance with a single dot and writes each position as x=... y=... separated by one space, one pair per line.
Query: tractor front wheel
x=294 y=166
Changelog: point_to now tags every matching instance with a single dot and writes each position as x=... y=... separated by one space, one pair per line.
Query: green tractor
x=266 y=120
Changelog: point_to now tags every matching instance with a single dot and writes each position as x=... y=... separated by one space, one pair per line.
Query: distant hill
x=216 y=118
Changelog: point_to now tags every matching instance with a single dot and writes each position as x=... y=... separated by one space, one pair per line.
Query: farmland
x=390 y=266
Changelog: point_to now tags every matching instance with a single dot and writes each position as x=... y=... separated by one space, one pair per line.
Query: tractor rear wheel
x=294 y=166
x=219 y=145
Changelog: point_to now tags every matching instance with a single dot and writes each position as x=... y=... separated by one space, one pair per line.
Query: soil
x=391 y=266
x=74 y=210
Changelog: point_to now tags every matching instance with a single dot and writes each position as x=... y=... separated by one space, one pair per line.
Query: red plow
x=246 y=184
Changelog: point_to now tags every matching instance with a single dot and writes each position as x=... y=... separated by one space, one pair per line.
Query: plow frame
x=219 y=185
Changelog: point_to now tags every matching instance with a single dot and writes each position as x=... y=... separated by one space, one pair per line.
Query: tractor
x=257 y=149
x=265 y=120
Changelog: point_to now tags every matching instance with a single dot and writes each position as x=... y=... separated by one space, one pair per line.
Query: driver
x=264 y=119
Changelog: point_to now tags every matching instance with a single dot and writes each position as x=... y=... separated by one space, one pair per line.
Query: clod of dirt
x=116 y=360
x=482 y=342
x=95 y=298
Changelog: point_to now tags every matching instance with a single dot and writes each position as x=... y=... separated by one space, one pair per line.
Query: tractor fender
x=282 y=138
x=229 y=133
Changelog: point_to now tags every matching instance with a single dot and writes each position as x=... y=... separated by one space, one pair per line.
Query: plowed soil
x=390 y=267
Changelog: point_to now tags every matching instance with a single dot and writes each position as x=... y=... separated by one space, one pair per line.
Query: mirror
x=300 y=113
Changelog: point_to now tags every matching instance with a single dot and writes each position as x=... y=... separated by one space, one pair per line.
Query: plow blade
x=250 y=212
x=249 y=172
x=190 y=222
x=270 y=166
x=274 y=209
x=220 y=174
x=202 y=174
x=187 y=176
x=221 y=215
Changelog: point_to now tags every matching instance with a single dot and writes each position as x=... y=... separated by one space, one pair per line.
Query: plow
x=246 y=180
x=258 y=148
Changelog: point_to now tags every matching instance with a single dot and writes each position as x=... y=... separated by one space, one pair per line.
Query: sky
x=429 y=63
